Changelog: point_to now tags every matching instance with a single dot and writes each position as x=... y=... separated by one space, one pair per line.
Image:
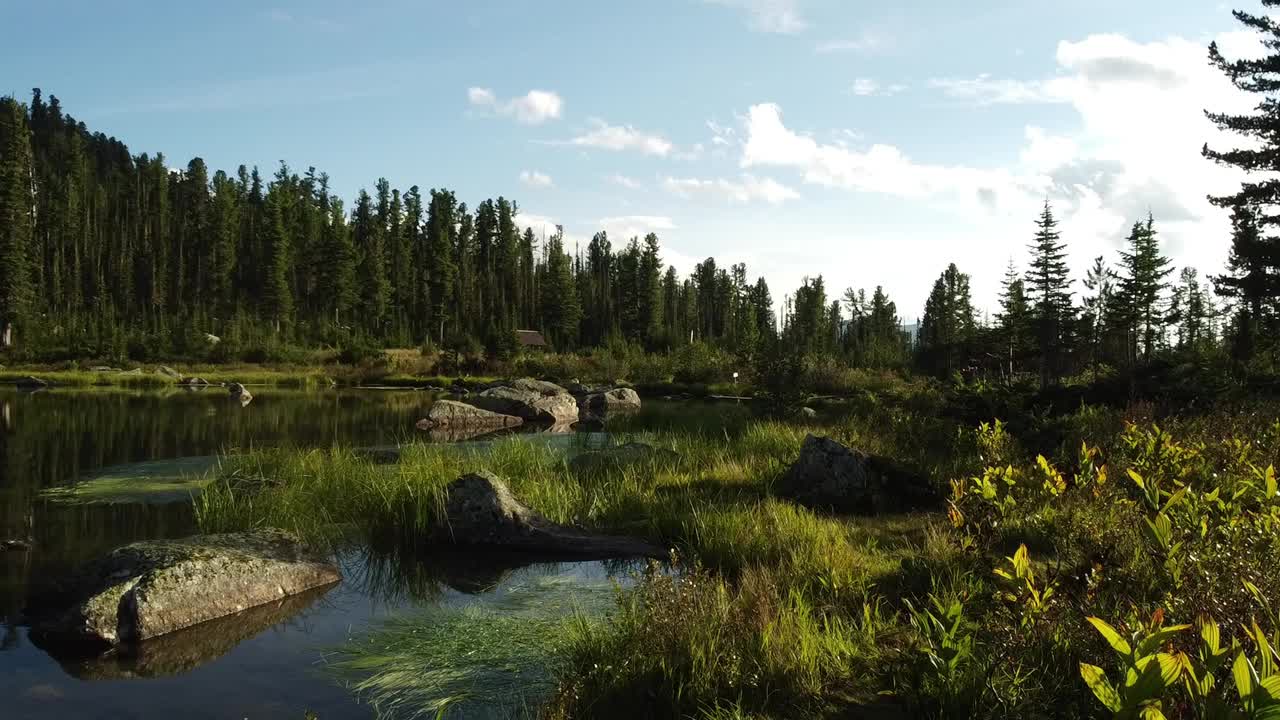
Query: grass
x=777 y=611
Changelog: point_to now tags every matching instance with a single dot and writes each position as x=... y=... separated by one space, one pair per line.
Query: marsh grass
x=775 y=603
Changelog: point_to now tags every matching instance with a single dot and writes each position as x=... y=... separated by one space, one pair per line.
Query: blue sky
x=870 y=142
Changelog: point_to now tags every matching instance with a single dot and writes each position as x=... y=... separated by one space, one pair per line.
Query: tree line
x=108 y=254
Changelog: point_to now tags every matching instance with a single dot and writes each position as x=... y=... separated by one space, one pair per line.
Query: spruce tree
x=17 y=221
x=1101 y=281
x=1014 y=318
x=562 y=311
x=1253 y=280
x=1142 y=287
x=1049 y=295
x=277 y=296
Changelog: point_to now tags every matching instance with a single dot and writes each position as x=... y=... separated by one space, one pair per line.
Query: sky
x=871 y=143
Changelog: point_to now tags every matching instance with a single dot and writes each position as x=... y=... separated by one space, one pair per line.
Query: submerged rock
x=153 y=588
x=480 y=510
x=829 y=476
x=458 y=415
x=240 y=394
x=625 y=455
x=31 y=382
x=620 y=399
x=530 y=400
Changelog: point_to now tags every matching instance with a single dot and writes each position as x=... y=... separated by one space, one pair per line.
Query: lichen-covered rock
x=625 y=455
x=530 y=400
x=185 y=650
x=621 y=399
x=830 y=476
x=239 y=393
x=152 y=588
x=459 y=415
x=480 y=510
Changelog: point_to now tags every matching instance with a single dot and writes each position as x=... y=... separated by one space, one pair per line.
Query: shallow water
x=269 y=662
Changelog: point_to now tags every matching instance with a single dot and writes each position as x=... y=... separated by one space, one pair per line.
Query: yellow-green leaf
x=1096 y=679
x=1152 y=642
x=1137 y=479
x=1242 y=673
x=1117 y=643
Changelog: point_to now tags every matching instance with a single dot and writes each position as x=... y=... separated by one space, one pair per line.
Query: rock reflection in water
x=399 y=576
x=180 y=652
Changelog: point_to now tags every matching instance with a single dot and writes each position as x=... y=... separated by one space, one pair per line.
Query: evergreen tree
x=1049 y=295
x=1014 y=317
x=371 y=272
x=1100 y=280
x=441 y=260
x=17 y=221
x=1252 y=280
x=278 y=297
x=1142 y=286
x=948 y=325
x=562 y=311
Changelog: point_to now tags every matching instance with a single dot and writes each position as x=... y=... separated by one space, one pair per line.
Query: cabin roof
x=531 y=338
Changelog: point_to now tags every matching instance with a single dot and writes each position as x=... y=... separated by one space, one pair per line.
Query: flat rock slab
x=452 y=414
x=480 y=510
x=185 y=650
x=148 y=589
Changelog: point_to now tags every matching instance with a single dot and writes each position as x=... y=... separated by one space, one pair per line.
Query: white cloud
x=624 y=181
x=533 y=108
x=1126 y=140
x=865 y=86
x=986 y=90
x=745 y=190
x=869 y=41
x=628 y=226
x=881 y=168
x=603 y=136
x=535 y=179
x=771 y=16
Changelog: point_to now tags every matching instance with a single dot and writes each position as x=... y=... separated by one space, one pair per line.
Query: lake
x=269 y=662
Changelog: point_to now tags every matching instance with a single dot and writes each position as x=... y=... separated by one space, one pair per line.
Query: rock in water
x=615 y=400
x=480 y=510
x=193 y=382
x=454 y=414
x=240 y=394
x=830 y=476
x=151 y=588
x=31 y=383
x=531 y=400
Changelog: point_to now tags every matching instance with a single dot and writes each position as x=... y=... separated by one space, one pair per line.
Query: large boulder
x=621 y=399
x=454 y=414
x=480 y=510
x=169 y=372
x=829 y=476
x=530 y=400
x=152 y=588
x=31 y=383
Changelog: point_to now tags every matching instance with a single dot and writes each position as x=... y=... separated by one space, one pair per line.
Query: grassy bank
x=981 y=610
